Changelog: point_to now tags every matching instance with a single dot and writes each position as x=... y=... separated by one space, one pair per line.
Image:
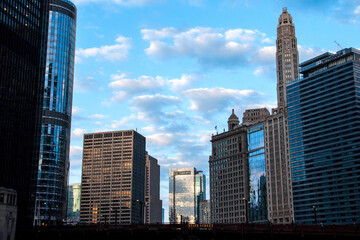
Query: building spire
x=233 y=121
x=287 y=55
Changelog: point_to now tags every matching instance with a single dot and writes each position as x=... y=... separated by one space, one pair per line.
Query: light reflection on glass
x=257 y=191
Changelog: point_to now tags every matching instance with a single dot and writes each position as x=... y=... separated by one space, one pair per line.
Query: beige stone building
x=229 y=174
x=8 y=213
x=280 y=201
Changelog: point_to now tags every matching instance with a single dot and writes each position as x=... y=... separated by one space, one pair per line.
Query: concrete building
x=205 y=212
x=153 y=204
x=324 y=125
x=186 y=191
x=73 y=203
x=229 y=183
x=113 y=178
x=8 y=213
x=253 y=116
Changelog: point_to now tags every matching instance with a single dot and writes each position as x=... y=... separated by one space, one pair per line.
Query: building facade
x=277 y=155
x=153 y=204
x=205 y=212
x=186 y=190
x=229 y=185
x=55 y=104
x=113 y=178
x=258 y=207
x=37 y=46
x=73 y=203
x=8 y=213
x=324 y=122
x=19 y=64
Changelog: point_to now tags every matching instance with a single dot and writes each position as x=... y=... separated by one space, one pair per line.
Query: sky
x=174 y=69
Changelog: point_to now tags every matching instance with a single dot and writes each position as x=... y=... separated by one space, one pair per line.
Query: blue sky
x=174 y=69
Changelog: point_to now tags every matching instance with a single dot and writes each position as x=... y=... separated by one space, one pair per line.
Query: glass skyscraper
x=186 y=190
x=257 y=174
x=55 y=104
x=324 y=125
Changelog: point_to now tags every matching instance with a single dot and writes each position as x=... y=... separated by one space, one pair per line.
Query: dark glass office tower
x=324 y=126
x=55 y=104
x=19 y=63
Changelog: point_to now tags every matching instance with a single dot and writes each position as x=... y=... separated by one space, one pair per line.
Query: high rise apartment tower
x=113 y=178
x=324 y=126
x=54 y=110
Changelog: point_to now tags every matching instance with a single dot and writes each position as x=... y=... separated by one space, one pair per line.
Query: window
x=1 y=197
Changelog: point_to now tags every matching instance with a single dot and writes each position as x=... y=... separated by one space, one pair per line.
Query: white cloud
x=184 y=82
x=208 y=100
x=357 y=10
x=142 y=83
x=161 y=139
x=210 y=46
x=305 y=53
x=76 y=110
x=75 y=151
x=97 y=116
x=265 y=55
x=78 y=133
x=114 y=52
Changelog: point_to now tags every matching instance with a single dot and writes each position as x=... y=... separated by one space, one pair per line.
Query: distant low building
x=8 y=213
x=205 y=213
x=73 y=205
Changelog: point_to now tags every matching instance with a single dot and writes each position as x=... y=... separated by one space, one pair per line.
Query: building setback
x=186 y=191
x=153 y=204
x=229 y=183
x=113 y=178
x=324 y=125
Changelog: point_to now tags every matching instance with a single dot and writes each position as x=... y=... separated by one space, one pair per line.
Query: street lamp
x=141 y=210
x=314 y=210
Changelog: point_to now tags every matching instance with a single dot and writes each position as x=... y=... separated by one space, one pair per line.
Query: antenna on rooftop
x=339 y=46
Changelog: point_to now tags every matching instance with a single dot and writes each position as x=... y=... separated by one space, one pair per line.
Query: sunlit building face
x=185 y=191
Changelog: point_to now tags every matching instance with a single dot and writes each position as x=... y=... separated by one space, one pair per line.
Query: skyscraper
x=19 y=63
x=54 y=110
x=186 y=190
x=280 y=206
x=324 y=124
x=113 y=178
x=229 y=183
x=287 y=55
x=37 y=48
x=153 y=204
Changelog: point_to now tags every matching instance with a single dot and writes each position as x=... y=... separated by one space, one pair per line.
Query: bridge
x=193 y=232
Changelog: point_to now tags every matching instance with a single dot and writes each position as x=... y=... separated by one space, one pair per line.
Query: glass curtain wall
x=59 y=27
x=257 y=176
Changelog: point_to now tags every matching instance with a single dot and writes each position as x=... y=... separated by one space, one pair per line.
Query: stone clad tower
x=287 y=56
x=277 y=154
